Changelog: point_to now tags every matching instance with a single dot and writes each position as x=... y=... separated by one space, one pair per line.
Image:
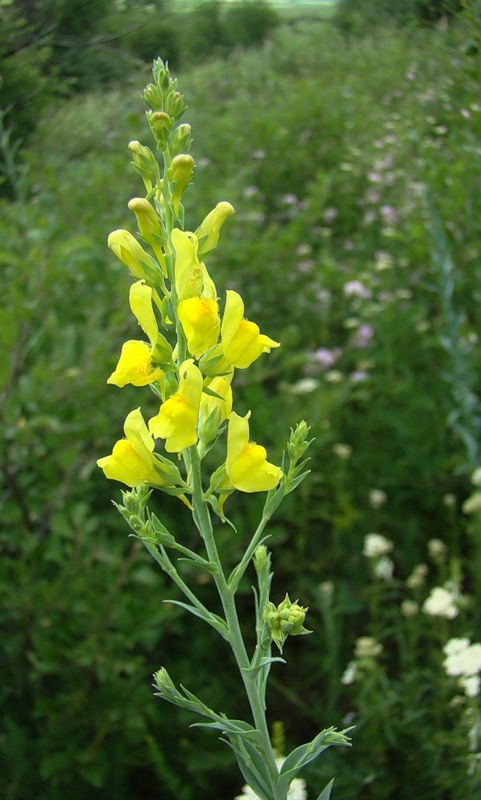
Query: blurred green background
x=348 y=138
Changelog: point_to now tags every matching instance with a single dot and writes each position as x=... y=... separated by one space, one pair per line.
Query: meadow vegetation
x=354 y=166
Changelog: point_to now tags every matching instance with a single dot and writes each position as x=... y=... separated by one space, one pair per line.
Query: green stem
x=204 y=523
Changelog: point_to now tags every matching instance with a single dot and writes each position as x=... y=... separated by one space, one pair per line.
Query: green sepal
x=212 y=619
x=306 y=753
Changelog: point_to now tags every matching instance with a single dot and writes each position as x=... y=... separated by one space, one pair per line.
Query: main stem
x=204 y=523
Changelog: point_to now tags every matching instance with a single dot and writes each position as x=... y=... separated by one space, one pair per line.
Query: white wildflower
x=377 y=498
x=473 y=504
x=476 y=477
x=455 y=645
x=436 y=549
x=384 y=568
x=470 y=685
x=349 y=674
x=464 y=663
x=376 y=545
x=417 y=576
x=409 y=608
x=367 y=647
x=441 y=603
x=342 y=450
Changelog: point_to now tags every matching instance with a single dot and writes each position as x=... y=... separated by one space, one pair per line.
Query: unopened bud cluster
x=286 y=619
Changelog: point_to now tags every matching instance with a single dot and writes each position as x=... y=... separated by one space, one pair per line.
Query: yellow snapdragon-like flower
x=135 y=363
x=242 y=341
x=201 y=324
x=132 y=461
x=135 y=366
x=191 y=276
x=129 y=251
x=177 y=419
x=208 y=232
x=246 y=464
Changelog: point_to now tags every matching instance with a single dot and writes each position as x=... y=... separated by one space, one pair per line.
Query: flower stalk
x=189 y=364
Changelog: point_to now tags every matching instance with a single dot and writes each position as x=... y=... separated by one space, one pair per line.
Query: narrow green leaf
x=198 y=611
x=326 y=792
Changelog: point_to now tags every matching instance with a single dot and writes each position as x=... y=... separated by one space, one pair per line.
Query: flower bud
x=153 y=96
x=285 y=620
x=145 y=164
x=180 y=140
x=298 y=441
x=175 y=105
x=160 y=125
x=180 y=173
x=262 y=559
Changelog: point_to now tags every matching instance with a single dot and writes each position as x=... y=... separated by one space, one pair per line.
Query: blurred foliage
x=354 y=16
x=355 y=244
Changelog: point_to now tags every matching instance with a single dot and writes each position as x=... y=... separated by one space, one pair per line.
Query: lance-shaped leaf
x=326 y=792
x=306 y=753
x=200 y=611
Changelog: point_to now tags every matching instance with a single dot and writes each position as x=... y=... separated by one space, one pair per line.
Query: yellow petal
x=129 y=251
x=137 y=433
x=251 y=472
x=176 y=422
x=246 y=464
x=140 y=299
x=135 y=366
x=211 y=226
x=242 y=342
x=177 y=419
x=233 y=316
x=200 y=321
x=237 y=438
x=125 y=465
x=188 y=269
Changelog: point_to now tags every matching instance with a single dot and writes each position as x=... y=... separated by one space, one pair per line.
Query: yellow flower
x=135 y=366
x=140 y=301
x=191 y=276
x=208 y=232
x=242 y=341
x=200 y=320
x=135 y=363
x=177 y=419
x=246 y=464
x=129 y=251
x=132 y=461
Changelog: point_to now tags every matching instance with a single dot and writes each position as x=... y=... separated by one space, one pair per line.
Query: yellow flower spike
x=200 y=320
x=180 y=173
x=242 y=342
x=129 y=251
x=140 y=300
x=177 y=419
x=210 y=227
x=135 y=366
x=246 y=464
x=132 y=461
x=149 y=226
x=188 y=269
